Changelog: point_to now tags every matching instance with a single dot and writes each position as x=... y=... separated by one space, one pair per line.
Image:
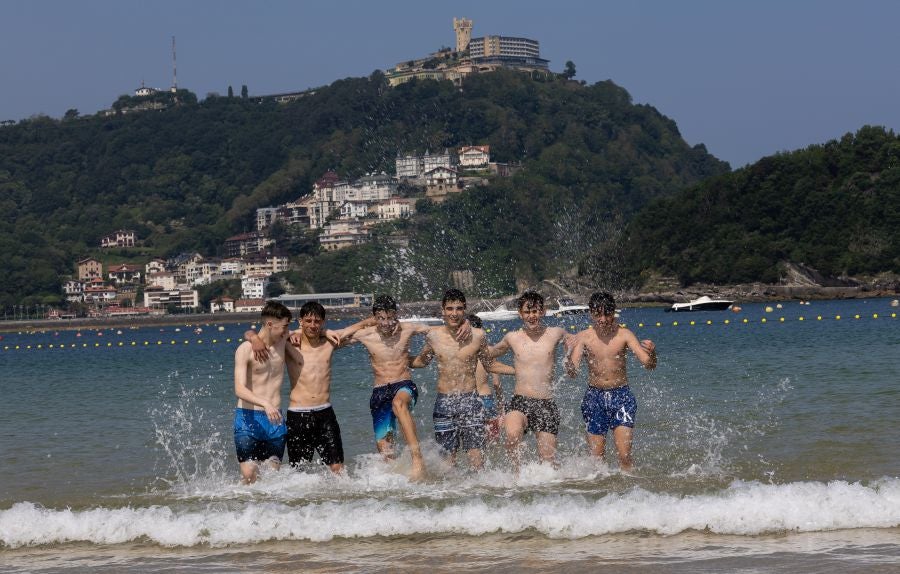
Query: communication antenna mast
x=174 y=69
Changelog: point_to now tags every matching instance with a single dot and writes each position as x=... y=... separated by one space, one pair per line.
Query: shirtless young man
x=608 y=402
x=458 y=411
x=394 y=394
x=259 y=429
x=312 y=426
x=532 y=406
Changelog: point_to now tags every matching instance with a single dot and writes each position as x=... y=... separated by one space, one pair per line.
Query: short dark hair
x=312 y=308
x=475 y=320
x=384 y=303
x=275 y=310
x=453 y=295
x=603 y=302
x=532 y=298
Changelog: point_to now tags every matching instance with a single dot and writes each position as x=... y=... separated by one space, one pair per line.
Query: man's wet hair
x=530 y=298
x=312 y=308
x=275 y=310
x=602 y=302
x=474 y=320
x=383 y=303
x=453 y=295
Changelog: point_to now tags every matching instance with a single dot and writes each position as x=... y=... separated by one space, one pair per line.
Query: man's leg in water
x=597 y=445
x=400 y=406
x=622 y=436
x=515 y=423
x=385 y=446
x=546 y=445
x=476 y=458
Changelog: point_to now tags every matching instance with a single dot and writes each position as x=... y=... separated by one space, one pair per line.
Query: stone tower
x=463 y=28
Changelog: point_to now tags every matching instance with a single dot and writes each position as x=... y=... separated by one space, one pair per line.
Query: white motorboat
x=703 y=303
x=500 y=313
x=565 y=306
x=417 y=319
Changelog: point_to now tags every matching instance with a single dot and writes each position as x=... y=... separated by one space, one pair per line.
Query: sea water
x=765 y=441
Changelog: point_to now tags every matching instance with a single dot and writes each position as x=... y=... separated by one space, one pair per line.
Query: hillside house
x=222 y=305
x=120 y=238
x=474 y=156
x=339 y=234
x=125 y=274
x=441 y=181
x=90 y=268
x=395 y=208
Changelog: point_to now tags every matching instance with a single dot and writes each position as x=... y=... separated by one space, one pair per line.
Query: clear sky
x=747 y=79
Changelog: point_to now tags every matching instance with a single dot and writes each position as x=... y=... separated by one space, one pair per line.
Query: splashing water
x=188 y=438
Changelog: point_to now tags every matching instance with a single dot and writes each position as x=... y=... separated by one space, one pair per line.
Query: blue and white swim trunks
x=606 y=409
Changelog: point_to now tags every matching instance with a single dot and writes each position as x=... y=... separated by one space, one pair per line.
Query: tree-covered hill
x=834 y=207
x=187 y=177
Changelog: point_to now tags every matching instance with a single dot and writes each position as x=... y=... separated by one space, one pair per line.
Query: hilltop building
x=472 y=56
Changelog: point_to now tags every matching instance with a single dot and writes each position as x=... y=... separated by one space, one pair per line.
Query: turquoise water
x=763 y=445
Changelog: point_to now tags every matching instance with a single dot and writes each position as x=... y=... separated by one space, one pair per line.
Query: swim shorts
x=490 y=407
x=383 y=419
x=314 y=430
x=606 y=409
x=542 y=414
x=459 y=421
x=255 y=438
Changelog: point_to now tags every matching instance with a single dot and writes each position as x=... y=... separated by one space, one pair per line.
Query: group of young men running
x=466 y=414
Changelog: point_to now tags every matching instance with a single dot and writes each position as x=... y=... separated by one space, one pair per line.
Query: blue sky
x=747 y=79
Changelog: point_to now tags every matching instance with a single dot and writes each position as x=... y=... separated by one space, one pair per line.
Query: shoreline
x=756 y=293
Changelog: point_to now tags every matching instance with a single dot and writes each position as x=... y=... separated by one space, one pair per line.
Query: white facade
x=154 y=266
x=474 y=156
x=504 y=46
x=441 y=176
x=374 y=187
x=223 y=305
x=353 y=209
x=99 y=294
x=74 y=290
x=162 y=279
x=254 y=286
x=395 y=208
x=120 y=238
x=162 y=298
x=433 y=161
x=232 y=266
x=408 y=166
x=340 y=234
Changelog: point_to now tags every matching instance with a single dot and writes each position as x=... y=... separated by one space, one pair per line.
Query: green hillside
x=834 y=207
x=187 y=177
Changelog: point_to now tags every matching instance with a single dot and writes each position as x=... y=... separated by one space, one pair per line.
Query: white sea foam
x=743 y=508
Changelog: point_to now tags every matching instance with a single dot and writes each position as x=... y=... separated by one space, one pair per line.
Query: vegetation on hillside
x=834 y=207
x=187 y=177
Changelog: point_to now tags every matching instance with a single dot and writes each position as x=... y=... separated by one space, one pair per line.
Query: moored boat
x=703 y=303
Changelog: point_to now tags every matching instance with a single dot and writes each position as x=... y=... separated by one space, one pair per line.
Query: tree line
x=608 y=189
